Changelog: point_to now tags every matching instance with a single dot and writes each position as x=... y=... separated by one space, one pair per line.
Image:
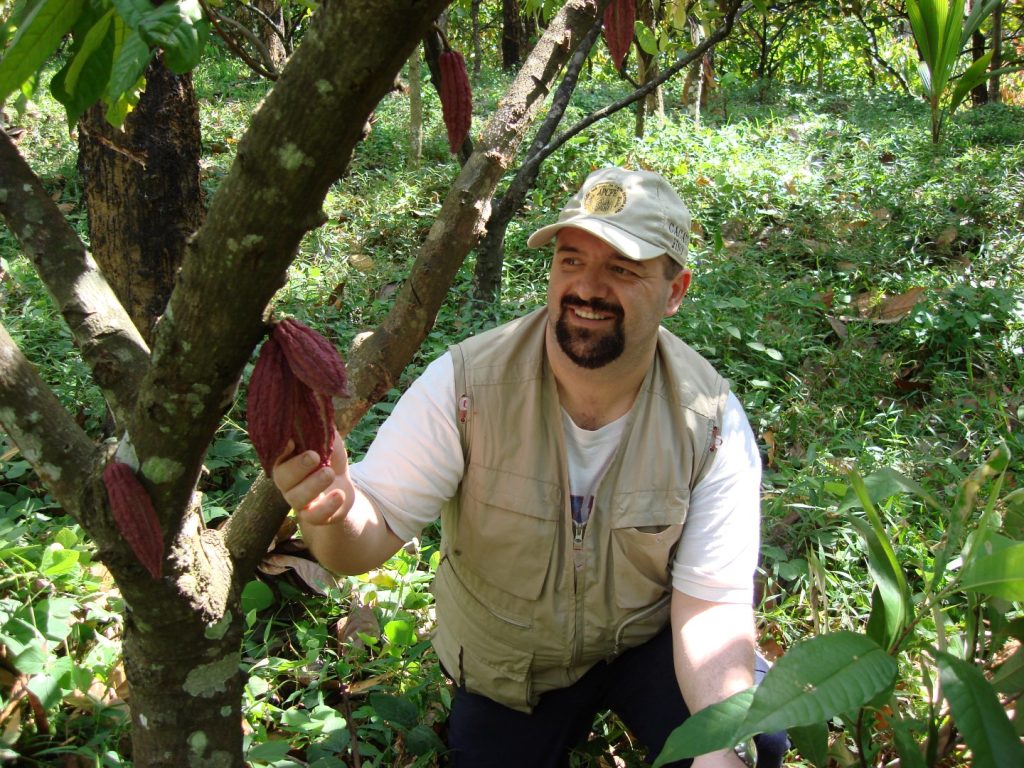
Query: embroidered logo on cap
x=605 y=199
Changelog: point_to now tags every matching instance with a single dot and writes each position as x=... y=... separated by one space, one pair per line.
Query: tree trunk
x=474 y=24
x=271 y=31
x=979 y=94
x=142 y=191
x=415 y=111
x=511 y=35
x=994 y=94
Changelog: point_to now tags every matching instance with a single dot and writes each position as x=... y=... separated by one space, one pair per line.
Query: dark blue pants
x=639 y=686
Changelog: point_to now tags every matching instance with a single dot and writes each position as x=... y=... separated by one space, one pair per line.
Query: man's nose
x=591 y=284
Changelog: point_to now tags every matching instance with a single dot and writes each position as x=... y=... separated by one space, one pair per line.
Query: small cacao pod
x=312 y=358
x=270 y=407
x=134 y=516
x=456 y=98
x=619 y=21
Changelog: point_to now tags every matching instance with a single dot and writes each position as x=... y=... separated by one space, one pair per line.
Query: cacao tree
x=180 y=581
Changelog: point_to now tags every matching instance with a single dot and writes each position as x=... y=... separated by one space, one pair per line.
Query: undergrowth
x=862 y=290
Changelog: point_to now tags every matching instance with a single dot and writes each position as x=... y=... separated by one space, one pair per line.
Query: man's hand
x=726 y=759
x=342 y=527
x=319 y=496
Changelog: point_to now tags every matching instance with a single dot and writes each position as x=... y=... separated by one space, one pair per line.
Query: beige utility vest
x=525 y=604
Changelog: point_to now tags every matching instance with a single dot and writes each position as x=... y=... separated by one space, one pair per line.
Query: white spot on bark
x=160 y=470
x=291 y=157
x=207 y=680
x=217 y=629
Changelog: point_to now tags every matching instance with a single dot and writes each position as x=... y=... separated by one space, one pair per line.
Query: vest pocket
x=469 y=642
x=507 y=529
x=645 y=532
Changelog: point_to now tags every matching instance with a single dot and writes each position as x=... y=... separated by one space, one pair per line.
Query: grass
x=813 y=213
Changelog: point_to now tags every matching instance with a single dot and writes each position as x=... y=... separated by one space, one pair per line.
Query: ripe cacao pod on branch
x=456 y=98
x=296 y=375
x=134 y=516
x=619 y=22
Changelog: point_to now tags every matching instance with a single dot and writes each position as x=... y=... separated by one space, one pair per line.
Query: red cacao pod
x=619 y=21
x=290 y=394
x=312 y=358
x=134 y=516
x=313 y=426
x=270 y=407
x=456 y=98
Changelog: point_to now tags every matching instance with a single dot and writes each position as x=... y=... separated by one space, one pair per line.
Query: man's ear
x=677 y=290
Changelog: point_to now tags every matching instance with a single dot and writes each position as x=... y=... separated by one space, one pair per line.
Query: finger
x=325 y=509
x=290 y=472
x=339 y=454
x=309 y=488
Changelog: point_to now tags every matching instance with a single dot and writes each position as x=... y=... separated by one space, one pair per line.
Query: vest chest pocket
x=507 y=528
x=646 y=527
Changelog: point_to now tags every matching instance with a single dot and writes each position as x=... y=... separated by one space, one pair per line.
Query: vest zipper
x=641 y=614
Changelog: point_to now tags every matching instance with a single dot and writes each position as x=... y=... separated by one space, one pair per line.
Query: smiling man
x=598 y=487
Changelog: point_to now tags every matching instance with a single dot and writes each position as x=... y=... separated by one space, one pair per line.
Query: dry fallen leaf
x=947 y=236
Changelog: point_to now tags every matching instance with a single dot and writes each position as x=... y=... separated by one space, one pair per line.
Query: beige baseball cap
x=635 y=212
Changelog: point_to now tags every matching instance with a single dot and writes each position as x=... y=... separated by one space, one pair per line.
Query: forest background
x=858 y=278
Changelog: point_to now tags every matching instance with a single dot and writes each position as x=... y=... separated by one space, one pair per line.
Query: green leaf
x=421 y=740
x=178 y=28
x=818 y=679
x=1009 y=677
x=647 y=39
x=883 y=566
x=712 y=728
x=131 y=57
x=399 y=633
x=999 y=573
x=42 y=30
x=904 y=734
x=256 y=596
x=58 y=561
x=395 y=709
x=54 y=617
x=974 y=75
x=90 y=44
x=811 y=741
x=978 y=714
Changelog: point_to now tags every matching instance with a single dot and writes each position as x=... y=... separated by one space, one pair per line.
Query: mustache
x=596 y=305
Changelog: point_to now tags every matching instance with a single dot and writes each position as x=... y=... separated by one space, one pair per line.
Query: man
x=598 y=488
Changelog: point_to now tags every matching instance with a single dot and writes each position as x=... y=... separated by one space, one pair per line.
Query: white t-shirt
x=415 y=465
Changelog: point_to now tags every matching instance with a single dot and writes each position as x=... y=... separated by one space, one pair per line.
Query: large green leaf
x=709 y=730
x=42 y=29
x=395 y=709
x=973 y=76
x=817 y=679
x=978 y=714
x=890 y=581
x=999 y=573
x=179 y=29
x=81 y=81
x=811 y=741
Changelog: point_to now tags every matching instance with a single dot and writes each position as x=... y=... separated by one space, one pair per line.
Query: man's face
x=602 y=305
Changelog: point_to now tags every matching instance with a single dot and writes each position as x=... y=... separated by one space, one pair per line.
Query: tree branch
x=681 y=63
x=298 y=143
x=63 y=456
x=374 y=365
x=110 y=343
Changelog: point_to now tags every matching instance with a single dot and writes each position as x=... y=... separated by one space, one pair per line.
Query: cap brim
x=627 y=245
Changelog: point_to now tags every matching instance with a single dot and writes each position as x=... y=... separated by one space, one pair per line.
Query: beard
x=585 y=347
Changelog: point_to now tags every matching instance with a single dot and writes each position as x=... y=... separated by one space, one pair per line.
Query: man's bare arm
x=713 y=648
x=343 y=528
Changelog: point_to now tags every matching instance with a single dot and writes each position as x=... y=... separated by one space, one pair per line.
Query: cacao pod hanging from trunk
x=134 y=516
x=297 y=374
x=619 y=21
x=456 y=97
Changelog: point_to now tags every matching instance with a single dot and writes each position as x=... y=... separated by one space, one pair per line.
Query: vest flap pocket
x=507 y=530
x=646 y=529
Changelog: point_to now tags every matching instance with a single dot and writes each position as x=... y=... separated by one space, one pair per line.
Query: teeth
x=586 y=314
